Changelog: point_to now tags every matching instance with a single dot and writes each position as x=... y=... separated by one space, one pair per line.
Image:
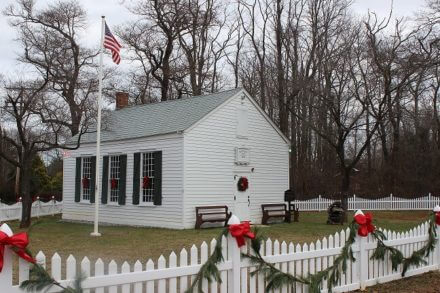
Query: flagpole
x=98 y=135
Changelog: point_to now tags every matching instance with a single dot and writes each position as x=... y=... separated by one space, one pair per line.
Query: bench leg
x=264 y=220
x=227 y=219
x=288 y=217
x=198 y=222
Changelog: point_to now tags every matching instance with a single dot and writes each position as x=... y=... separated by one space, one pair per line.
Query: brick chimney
x=121 y=100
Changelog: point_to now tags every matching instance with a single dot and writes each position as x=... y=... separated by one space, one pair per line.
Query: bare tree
x=26 y=127
x=50 y=39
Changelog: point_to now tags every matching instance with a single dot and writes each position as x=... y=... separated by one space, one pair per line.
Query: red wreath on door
x=113 y=183
x=243 y=184
x=146 y=182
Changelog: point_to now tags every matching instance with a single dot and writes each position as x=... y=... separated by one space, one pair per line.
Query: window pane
x=147 y=171
x=86 y=175
x=114 y=178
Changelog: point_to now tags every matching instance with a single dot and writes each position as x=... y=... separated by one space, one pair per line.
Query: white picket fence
x=392 y=203
x=39 y=208
x=176 y=273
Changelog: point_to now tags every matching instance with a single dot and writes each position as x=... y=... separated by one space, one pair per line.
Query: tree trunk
x=25 y=174
x=345 y=187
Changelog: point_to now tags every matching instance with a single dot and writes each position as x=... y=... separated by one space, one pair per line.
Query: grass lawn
x=123 y=243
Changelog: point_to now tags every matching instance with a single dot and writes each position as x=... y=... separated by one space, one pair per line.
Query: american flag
x=112 y=44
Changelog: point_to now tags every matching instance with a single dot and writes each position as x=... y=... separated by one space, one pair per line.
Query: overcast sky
x=117 y=14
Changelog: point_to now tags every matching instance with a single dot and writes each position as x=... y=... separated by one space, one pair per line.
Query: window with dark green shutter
x=147 y=178
x=86 y=178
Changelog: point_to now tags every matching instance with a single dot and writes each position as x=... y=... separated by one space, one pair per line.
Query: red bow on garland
x=114 y=183
x=437 y=218
x=85 y=182
x=364 y=222
x=146 y=182
x=239 y=231
x=18 y=243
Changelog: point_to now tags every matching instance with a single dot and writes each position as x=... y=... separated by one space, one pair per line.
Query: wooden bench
x=275 y=210
x=212 y=214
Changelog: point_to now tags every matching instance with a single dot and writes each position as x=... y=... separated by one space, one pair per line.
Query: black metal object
x=289 y=195
x=336 y=213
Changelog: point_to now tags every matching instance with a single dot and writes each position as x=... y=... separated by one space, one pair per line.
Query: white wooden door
x=242 y=199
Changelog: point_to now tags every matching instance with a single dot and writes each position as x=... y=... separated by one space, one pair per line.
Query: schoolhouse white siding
x=167 y=215
x=209 y=164
x=198 y=164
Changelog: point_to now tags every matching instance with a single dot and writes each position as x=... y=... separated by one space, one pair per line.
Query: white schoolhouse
x=160 y=161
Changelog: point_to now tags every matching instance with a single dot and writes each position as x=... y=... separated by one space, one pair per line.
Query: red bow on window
x=364 y=222
x=239 y=231
x=85 y=182
x=146 y=182
x=114 y=183
x=18 y=243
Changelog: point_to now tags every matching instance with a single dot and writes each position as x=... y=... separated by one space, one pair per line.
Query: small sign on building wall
x=242 y=156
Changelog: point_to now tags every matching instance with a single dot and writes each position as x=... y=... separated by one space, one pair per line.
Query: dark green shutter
x=78 y=180
x=136 y=177
x=157 y=197
x=122 y=179
x=93 y=180
x=104 y=180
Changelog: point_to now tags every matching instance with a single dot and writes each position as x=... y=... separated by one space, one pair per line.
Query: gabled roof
x=158 y=118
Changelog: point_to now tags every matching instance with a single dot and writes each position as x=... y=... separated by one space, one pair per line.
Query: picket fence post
x=53 y=205
x=362 y=262
x=6 y=274
x=391 y=201
x=234 y=255
x=437 y=248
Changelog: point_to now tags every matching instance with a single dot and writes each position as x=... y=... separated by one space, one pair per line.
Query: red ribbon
x=18 y=243
x=239 y=231
x=364 y=222
x=146 y=182
x=437 y=218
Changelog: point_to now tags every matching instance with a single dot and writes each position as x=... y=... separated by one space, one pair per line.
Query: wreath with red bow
x=113 y=183
x=145 y=182
x=85 y=182
x=243 y=184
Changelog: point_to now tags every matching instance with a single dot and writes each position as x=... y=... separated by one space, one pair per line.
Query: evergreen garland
x=275 y=278
x=397 y=258
x=40 y=280
x=209 y=269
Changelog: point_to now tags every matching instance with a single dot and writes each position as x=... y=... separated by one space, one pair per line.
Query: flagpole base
x=95 y=234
